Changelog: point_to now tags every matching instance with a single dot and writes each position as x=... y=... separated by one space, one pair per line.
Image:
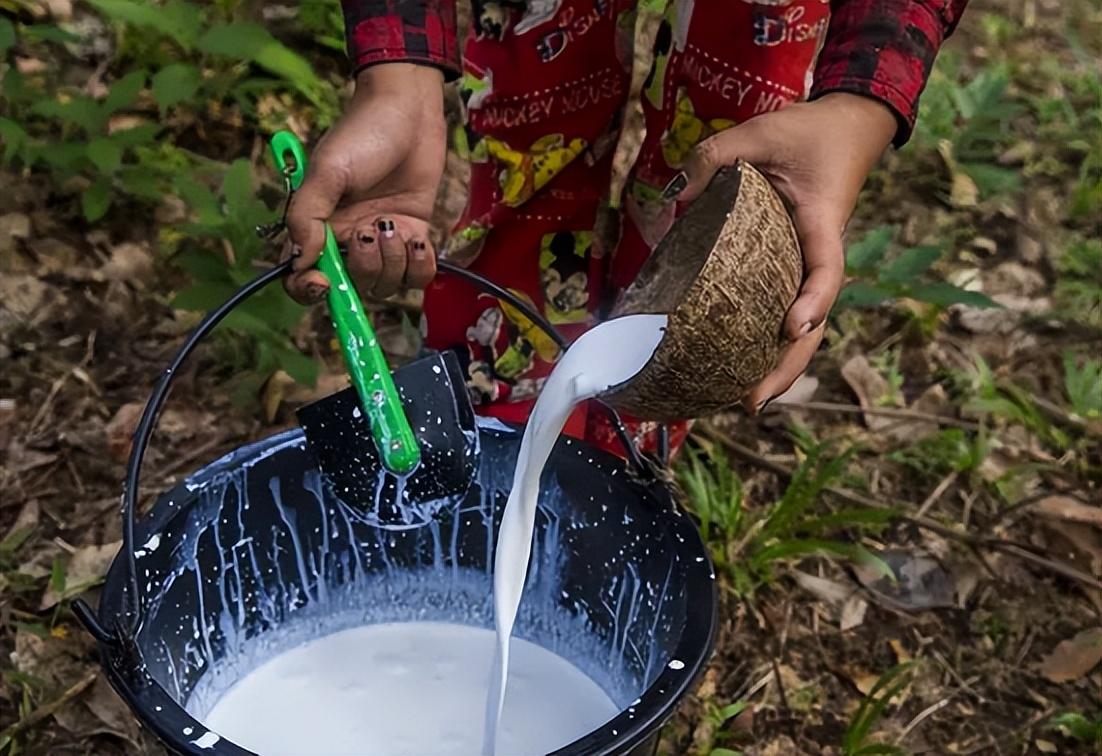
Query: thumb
x=820 y=235
x=311 y=207
x=745 y=141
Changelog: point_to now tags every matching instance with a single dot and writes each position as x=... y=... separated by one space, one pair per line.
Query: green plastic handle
x=363 y=356
x=284 y=142
x=367 y=365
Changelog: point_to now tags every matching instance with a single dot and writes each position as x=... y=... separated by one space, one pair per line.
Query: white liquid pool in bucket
x=407 y=689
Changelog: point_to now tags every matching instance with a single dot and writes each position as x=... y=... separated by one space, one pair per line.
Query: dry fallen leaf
x=902 y=656
x=13 y=226
x=1070 y=509
x=21 y=458
x=27 y=518
x=1075 y=657
x=86 y=568
x=120 y=429
x=781 y=745
x=61 y=10
x=24 y=296
x=803 y=390
x=327 y=384
x=56 y=661
x=129 y=262
x=1075 y=543
x=963 y=191
x=869 y=387
x=112 y=714
x=921 y=581
x=853 y=613
x=823 y=589
x=274 y=392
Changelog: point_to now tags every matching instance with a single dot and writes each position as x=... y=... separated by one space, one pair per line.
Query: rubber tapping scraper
x=394 y=447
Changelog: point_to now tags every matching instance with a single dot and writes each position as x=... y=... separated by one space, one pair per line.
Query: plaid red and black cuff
x=884 y=49
x=411 y=31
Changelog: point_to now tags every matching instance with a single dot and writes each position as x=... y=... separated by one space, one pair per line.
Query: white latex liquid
x=406 y=689
x=605 y=356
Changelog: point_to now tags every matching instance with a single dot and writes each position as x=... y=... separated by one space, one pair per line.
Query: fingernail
x=805 y=329
x=676 y=186
x=419 y=248
x=762 y=405
x=316 y=291
x=367 y=239
x=296 y=251
x=386 y=228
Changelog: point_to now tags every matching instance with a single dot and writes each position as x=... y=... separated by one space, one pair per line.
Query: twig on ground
x=47 y=710
x=905 y=414
x=922 y=715
x=964 y=684
x=947 y=481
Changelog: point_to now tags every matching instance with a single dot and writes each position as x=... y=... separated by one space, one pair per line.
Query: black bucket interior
x=254 y=555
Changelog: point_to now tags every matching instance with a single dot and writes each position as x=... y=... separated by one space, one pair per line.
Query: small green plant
x=715 y=490
x=1067 y=103
x=227 y=220
x=949 y=450
x=717 y=717
x=1079 y=285
x=1007 y=401
x=1083 y=383
x=880 y=276
x=966 y=121
x=1078 y=727
x=858 y=739
x=887 y=364
x=174 y=63
x=747 y=543
x=175 y=55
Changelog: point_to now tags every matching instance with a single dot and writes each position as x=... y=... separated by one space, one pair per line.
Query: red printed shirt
x=878 y=48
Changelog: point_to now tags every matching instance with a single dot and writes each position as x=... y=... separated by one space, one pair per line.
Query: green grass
x=750 y=544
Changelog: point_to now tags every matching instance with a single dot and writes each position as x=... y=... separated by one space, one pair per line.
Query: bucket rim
x=181 y=733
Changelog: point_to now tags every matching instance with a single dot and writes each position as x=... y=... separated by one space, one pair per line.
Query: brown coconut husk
x=725 y=274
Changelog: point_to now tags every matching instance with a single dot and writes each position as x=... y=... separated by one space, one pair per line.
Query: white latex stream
x=605 y=356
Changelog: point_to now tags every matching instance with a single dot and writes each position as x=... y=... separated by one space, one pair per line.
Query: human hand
x=373 y=178
x=817 y=155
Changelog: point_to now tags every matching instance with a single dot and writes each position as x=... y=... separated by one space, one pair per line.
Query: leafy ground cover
x=909 y=542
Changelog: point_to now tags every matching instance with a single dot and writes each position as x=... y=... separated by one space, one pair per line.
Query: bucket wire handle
x=148 y=422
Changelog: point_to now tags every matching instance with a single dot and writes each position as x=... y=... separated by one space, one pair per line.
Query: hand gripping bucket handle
x=128 y=625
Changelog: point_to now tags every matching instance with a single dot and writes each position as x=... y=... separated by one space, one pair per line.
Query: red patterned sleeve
x=885 y=49
x=410 y=31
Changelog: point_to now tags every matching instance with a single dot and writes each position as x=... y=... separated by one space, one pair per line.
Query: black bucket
x=254 y=554
x=255 y=543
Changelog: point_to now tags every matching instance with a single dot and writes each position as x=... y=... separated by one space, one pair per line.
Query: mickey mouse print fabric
x=544 y=84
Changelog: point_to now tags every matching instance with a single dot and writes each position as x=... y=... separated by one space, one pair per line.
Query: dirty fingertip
x=308 y=287
x=364 y=238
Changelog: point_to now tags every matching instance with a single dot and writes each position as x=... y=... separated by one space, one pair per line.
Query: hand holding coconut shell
x=725 y=275
x=817 y=156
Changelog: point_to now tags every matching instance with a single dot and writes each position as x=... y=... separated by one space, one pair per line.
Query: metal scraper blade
x=434 y=396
